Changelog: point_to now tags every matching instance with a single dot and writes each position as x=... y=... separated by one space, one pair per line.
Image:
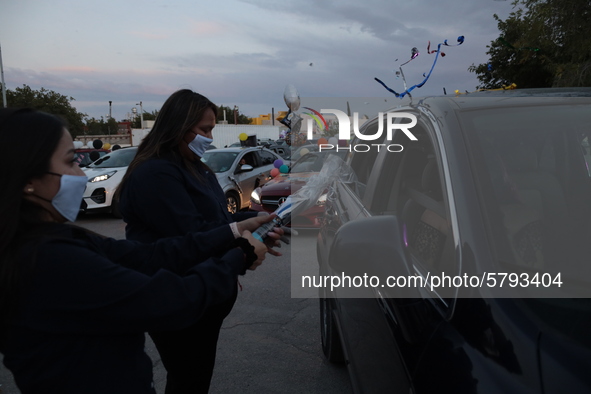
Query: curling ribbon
x=460 y=41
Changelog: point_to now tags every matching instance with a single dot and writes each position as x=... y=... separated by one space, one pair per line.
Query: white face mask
x=69 y=196
x=200 y=144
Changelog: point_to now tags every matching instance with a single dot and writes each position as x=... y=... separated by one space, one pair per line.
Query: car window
x=362 y=162
x=532 y=169
x=118 y=158
x=251 y=159
x=219 y=161
x=266 y=157
x=410 y=186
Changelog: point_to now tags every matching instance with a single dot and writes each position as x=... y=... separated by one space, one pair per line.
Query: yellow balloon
x=304 y=151
x=107 y=146
x=243 y=136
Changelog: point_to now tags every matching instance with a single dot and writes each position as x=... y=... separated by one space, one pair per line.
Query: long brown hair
x=29 y=139
x=178 y=115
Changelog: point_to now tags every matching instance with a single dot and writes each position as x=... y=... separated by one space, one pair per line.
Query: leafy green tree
x=136 y=123
x=48 y=101
x=240 y=118
x=100 y=127
x=542 y=43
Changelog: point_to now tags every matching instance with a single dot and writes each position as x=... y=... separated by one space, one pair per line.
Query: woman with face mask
x=75 y=305
x=169 y=191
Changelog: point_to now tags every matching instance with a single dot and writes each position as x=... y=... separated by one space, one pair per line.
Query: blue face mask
x=200 y=144
x=69 y=196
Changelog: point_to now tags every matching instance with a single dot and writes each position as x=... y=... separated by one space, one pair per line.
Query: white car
x=104 y=176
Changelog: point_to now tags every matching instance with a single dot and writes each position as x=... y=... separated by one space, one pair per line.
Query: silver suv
x=240 y=171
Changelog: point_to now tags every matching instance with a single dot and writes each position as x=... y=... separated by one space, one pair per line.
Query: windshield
x=118 y=158
x=532 y=166
x=301 y=151
x=219 y=161
x=313 y=162
x=83 y=158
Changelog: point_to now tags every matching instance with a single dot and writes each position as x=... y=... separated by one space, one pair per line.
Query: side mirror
x=373 y=247
x=245 y=168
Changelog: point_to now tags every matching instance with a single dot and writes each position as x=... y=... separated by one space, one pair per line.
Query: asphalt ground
x=270 y=342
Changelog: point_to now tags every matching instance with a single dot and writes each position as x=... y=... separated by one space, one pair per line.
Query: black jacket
x=88 y=301
x=162 y=199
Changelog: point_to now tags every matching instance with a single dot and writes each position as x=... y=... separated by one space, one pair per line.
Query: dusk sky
x=239 y=52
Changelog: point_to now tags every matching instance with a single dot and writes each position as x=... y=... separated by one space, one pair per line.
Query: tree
x=136 y=124
x=543 y=43
x=100 y=127
x=240 y=118
x=48 y=101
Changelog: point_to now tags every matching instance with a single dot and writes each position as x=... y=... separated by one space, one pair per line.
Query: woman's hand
x=273 y=237
x=259 y=248
x=253 y=223
x=278 y=233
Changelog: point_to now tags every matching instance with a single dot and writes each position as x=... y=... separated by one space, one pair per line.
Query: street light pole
x=141 y=115
x=2 y=80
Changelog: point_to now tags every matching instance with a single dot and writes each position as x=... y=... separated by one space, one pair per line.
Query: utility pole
x=2 y=80
x=141 y=115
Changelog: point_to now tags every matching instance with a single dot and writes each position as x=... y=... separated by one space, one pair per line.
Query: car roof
x=242 y=149
x=499 y=98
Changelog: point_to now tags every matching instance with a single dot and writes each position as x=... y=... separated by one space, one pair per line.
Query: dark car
x=495 y=191
x=269 y=196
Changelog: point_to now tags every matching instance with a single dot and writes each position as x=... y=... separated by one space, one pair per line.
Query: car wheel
x=233 y=202
x=331 y=341
x=115 y=208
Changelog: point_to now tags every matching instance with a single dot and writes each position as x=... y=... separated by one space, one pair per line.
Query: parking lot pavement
x=270 y=342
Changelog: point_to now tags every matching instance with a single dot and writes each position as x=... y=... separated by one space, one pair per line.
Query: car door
x=258 y=176
x=386 y=334
x=370 y=349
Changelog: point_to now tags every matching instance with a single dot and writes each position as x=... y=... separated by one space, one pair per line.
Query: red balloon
x=274 y=172
x=322 y=141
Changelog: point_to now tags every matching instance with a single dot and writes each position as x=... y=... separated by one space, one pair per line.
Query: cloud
x=151 y=35
x=205 y=28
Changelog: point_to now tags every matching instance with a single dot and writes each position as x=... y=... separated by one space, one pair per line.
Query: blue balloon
x=277 y=163
x=284 y=169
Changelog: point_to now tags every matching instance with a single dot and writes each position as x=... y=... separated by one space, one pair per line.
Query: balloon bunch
x=414 y=55
x=279 y=168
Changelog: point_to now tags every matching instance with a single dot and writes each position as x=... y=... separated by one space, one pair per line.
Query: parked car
x=268 y=197
x=240 y=171
x=298 y=152
x=86 y=156
x=496 y=182
x=104 y=176
x=282 y=150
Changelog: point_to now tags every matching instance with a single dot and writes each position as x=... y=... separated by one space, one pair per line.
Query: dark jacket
x=88 y=301
x=162 y=198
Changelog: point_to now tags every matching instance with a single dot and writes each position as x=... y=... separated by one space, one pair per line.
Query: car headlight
x=255 y=196
x=322 y=199
x=102 y=177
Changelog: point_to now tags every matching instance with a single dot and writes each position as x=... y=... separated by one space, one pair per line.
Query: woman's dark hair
x=179 y=114
x=29 y=139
